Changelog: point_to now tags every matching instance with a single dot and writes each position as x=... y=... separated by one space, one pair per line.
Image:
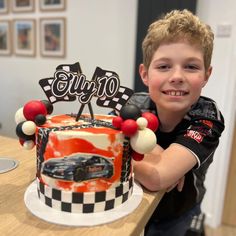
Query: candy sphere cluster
x=28 y=117
x=139 y=127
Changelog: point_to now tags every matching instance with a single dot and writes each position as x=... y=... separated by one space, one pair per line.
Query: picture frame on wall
x=5 y=42
x=53 y=37
x=4 y=6
x=52 y=5
x=24 y=35
x=19 y=6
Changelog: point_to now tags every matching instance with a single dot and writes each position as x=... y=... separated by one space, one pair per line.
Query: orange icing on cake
x=104 y=141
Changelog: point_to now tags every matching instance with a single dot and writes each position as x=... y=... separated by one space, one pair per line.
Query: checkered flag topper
x=47 y=83
x=120 y=98
x=74 y=68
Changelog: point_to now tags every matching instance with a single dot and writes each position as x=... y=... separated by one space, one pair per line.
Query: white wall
x=221 y=87
x=99 y=33
x=102 y=33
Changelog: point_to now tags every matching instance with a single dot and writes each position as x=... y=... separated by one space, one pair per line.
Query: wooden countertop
x=15 y=218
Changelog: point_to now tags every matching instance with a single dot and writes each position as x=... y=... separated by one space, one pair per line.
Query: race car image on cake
x=78 y=168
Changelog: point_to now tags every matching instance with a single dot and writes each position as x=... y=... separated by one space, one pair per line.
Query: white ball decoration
x=142 y=122
x=28 y=145
x=143 y=141
x=28 y=127
x=19 y=116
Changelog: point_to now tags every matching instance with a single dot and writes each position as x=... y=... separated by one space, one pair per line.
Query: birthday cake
x=84 y=160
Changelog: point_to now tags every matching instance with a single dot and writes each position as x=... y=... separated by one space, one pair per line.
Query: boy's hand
x=179 y=184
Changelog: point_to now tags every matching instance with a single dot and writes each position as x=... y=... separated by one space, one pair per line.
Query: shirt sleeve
x=203 y=133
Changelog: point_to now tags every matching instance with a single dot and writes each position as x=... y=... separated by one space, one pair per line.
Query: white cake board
x=39 y=209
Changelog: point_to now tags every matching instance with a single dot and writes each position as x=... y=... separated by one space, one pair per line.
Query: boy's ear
x=143 y=74
x=208 y=74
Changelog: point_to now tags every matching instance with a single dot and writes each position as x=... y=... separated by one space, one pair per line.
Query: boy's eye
x=192 y=67
x=163 y=67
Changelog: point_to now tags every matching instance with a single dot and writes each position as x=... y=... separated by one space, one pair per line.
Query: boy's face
x=175 y=77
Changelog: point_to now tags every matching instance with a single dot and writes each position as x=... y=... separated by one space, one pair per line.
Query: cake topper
x=70 y=83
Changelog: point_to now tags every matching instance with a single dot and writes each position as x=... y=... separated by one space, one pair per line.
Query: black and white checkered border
x=88 y=202
x=118 y=101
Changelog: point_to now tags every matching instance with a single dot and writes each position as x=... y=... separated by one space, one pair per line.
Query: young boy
x=176 y=66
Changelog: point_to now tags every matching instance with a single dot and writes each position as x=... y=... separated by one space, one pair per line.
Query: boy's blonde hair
x=178 y=26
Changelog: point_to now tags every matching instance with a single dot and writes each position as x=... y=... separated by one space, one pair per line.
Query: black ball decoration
x=130 y=111
x=48 y=106
x=40 y=119
x=21 y=134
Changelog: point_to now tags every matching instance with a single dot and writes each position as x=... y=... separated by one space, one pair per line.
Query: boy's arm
x=161 y=169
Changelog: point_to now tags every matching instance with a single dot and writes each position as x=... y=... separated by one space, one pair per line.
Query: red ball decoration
x=21 y=141
x=129 y=127
x=153 y=122
x=117 y=121
x=34 y=108
x=137 y=156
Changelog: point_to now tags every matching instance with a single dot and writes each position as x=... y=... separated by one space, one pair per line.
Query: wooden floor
x=220 y=231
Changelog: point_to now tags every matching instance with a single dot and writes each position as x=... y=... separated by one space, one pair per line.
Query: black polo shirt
x=199 y=132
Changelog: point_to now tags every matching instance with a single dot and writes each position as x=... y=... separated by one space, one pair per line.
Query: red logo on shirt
x=207 y=122
x=194 y=135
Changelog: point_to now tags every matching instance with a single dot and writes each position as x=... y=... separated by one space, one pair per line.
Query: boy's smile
x=175 y=77
x=175 y=92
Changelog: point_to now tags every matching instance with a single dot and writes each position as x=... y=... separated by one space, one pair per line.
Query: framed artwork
x=22 y=5
x=5 y=44
x=4 y=6
x=24 y=37
x=53 y=37
x=52 y=5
